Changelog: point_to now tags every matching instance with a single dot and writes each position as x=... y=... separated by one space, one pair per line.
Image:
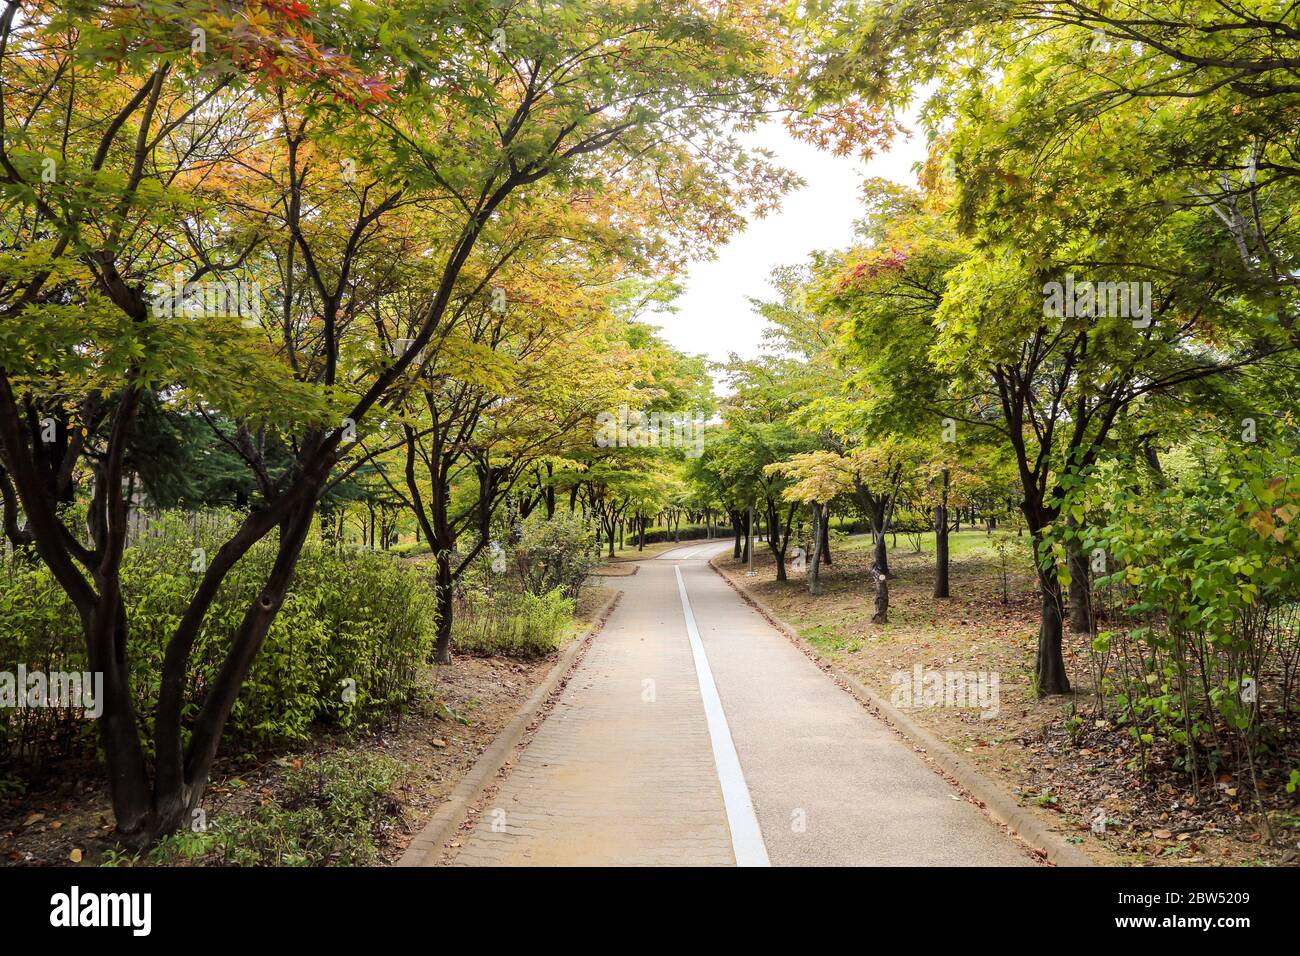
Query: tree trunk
x=144 y=813
x=881 y=562
x=1049 y=668
x=1080 y=592
x=826 y=536
x=881 y=615
x=128 y=781
x=941 y=542
x=444 y=591
x=941 y=553
x=1049 y=663
x=778 y=537
x=176 y=796
x=773 y=539
x=814 y=566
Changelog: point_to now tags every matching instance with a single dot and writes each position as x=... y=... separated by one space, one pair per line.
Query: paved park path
x=694 y=733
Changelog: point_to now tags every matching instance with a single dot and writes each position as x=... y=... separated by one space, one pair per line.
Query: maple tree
x=358 y=174
x=1033 y=176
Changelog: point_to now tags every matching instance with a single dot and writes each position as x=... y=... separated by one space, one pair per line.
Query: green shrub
x=550 y=554
x=360 y=623
x=1201 y=590
x=516 y=625
x=39 y=629
x=330 y=813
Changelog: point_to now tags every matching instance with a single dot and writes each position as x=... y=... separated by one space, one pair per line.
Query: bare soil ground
x=1027 y=746
x=65 y=818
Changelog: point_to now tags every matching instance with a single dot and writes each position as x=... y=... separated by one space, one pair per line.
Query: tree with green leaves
x=349 y=168
x=966 y=327
x=742 y=452
x=818 y=477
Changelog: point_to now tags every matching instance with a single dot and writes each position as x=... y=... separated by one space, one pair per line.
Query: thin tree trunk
x=210 y=723
x=778 y=538
x=1080 y=589
x=128 y=780
x=444 y=591
x=1049 y=668
x=814 y=566
x=881 y=555
x=881 y=615
x=941 y=542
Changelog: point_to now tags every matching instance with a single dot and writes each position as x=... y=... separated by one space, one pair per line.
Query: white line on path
x=746 y=838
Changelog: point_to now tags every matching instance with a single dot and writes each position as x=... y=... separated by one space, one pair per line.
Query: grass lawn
x=961 y=544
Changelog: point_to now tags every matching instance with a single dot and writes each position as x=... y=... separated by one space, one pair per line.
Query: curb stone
x=600 y=573
x=1046 y=844
x=428 y=846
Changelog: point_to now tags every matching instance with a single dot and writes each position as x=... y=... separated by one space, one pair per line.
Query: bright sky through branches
x=714 y=315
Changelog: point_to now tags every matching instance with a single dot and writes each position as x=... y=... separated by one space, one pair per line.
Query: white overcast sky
x=714 y=317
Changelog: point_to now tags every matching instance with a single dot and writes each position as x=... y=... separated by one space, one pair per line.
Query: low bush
x=512 y=624
x=552 y=554
x=40 y=631
x=350 y=641
x=1199 y=586
x=683 y=534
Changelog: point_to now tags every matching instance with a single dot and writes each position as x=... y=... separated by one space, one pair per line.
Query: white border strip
x=746 y=838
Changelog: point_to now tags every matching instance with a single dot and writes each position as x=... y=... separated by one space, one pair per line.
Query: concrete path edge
x=427 y=847
x=991 y=798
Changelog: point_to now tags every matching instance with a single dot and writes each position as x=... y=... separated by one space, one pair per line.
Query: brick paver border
x=429 y=846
